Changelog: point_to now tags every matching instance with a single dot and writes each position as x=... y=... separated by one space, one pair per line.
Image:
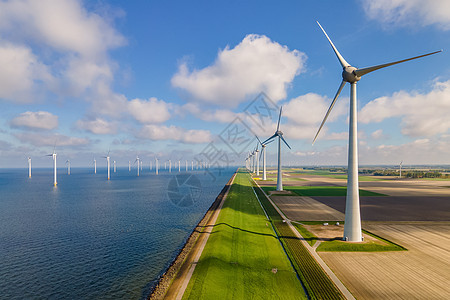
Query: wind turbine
x=114 y=163
x=263 y=155
x=68 y=167
x=129 y=166
x=53 y=155
x=170 y=166
x=350 y=74
x=156 y=165
x=29 y=167
x=401 y=163
x=95 y=166
x=179 y=166
x=138 y=164
x=108 y=165
x=186 y=166
x=278 y=134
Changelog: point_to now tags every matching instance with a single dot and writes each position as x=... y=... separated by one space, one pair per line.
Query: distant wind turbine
x=278 y=134
x=350 y=74
x=95 y=166
x=29 y=167
x=114 y=163
x=68 y=167
x=108 y=165
x=170 y=166
x=156 y=165
x=401 y=163
x=53 y=155
x=263 y=155
x=129 y=166
x=138 y=164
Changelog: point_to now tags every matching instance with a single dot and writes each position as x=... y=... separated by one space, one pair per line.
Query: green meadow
x=312 y=191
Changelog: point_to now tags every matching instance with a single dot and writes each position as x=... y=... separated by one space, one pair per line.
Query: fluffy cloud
x=256 y=64
x=377 y=134
x=74 y=44
x=97 y=126
x=409 y=12
x=422 y=114
x=35 y=120
x=155 y=132
x=149 y=111
x=40 y=140
x=219 y=115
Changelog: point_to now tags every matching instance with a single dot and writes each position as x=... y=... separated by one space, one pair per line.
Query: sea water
x=90 y=238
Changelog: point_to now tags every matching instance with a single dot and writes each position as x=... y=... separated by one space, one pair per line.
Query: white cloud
x=60 y=47
x=377 y=134
x=57 y=139
x=35 y=120
x=161 y=132
x=219 y=115
x=409 y=12
x=97 y=126
x=422 y=114
x=256 y=64
x=149 y=111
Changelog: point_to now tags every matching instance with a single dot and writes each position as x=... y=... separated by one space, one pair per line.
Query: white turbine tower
x=129 y=166
x=170 y=166
x=68 y=167
x=29 y=167
x=278 y=134
x=401 y=163
x=138 y=164
x=156 y=165
x=53 y=155
x=352 y=227
x=151 y=165
x=179 y=166
x=108 y=165
x=95 y=166
x=114 y=163
x=186 y=166
x=263 y=155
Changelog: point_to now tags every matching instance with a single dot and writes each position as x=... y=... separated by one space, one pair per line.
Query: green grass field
x=341 y=246
x=307 y=235
x=243 y=258
x=311 y=191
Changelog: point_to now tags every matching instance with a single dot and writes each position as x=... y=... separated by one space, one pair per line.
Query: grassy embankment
x=312 y=191
x=243 y=258
x=314 y=278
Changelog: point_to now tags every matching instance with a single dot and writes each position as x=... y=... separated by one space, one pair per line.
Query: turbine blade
x=258 y=139
x=279 y=118
x=329 y=109
x=343 y=62
x=364 y=71
x=268 y=142
x=285 y=141
x=273 y=136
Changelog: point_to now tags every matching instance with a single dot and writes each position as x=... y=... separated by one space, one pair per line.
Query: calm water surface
x=90 y=238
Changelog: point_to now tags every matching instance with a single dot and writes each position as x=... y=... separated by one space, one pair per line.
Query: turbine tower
x=170 y=166
x=95 y=166
x=53 y=155
x=129 y=166
x=156 y=165
x=108 y=165
x=29 y=167
x=278 y=134
x=350 y=74
x=138 y=165
x=401 y=163
x=114 y=163
x=179 y=166
x=263 y=155
x=68 y=167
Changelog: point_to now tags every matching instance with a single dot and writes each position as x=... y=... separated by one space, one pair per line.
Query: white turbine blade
x=285 y=141
x=273 y=136
x=364 y=71
x=329 y=109
x=268 y=142
x=279 y=118
x=258 y=139
x=343 y=62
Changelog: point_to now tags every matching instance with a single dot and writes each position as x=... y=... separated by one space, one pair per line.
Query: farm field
x=415 y=214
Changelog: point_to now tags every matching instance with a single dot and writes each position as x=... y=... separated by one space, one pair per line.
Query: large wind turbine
x=352 y=227
x=278 y=134
x=53 y=155
x=138 y=164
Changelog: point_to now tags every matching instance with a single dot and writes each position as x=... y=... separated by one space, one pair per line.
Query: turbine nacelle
x=349 y=74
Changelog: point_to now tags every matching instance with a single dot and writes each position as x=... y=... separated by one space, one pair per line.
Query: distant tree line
x=411 y=174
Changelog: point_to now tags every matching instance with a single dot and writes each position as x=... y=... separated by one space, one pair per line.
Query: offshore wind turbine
x=95 y=166
x=29 y=167
x=138 y=164
x=114 y=163
x=350 y=74
x=129 y=166
x=68 y=167
x=278 y=134
x=170 y=166
x=53 y=155
x=108 y=165
x=179 y=166
x=156 y=165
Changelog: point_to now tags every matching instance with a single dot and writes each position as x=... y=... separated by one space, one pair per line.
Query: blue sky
x=165 y=78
